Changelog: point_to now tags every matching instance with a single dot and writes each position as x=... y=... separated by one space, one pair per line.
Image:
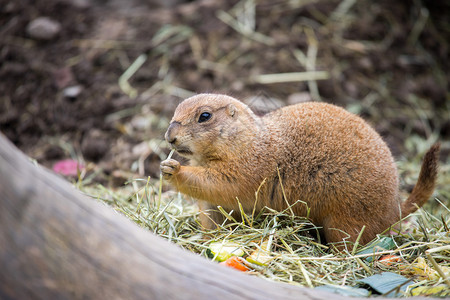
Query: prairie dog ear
x=232 y=110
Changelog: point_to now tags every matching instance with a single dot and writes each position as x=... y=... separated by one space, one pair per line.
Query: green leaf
x=383 y=244
x=344 y=290
x=387 y=283
x=221 y=251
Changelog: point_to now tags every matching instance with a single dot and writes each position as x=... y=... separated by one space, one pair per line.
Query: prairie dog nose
x=171 y=133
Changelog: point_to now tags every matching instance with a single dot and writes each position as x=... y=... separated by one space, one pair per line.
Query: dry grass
x=296 y=257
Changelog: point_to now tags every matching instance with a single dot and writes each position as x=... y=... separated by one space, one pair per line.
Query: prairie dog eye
x=204 y=116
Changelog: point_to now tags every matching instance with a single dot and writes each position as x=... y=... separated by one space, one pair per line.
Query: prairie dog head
x=205 y=125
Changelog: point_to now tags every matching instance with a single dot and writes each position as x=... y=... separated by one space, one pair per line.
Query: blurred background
x=98 y=80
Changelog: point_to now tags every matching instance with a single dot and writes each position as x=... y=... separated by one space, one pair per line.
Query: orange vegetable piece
x=388 y=260
x=234 y=262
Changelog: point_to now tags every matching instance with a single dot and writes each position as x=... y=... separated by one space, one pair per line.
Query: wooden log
x=56 y=243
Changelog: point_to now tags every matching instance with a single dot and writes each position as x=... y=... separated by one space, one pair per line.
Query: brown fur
x=329 y=159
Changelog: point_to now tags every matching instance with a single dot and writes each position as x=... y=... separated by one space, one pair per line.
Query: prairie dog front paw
x=169 y=167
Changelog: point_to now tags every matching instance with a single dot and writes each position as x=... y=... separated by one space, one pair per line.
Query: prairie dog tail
x=424 y=187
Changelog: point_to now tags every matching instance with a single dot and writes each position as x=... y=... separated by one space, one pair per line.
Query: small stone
x=43 y=28
x=141 y=122
x=237 y=85
x=262 y=104
x=72 y=92
x=80 y=3
x=95 y=145
x=301 y=97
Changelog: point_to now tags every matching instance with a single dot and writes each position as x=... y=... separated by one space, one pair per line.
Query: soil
x=61 y=60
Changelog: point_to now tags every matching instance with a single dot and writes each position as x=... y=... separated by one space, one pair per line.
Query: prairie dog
x=330 y=159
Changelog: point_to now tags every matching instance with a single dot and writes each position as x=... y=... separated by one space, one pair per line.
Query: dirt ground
x=61 y=97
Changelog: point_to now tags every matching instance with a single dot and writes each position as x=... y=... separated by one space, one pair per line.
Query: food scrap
x=235 y=263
